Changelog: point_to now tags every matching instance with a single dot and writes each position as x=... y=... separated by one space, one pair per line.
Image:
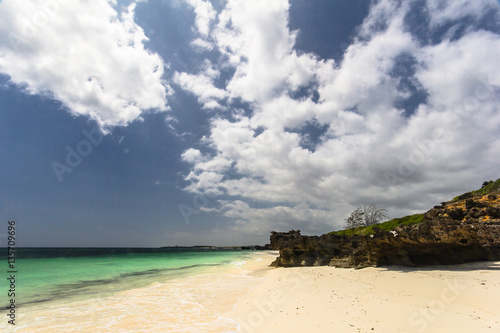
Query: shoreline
x=195 y=302
x=248 y=296
x=454 y=298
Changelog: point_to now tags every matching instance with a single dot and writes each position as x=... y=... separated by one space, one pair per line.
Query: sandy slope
x=463 y=298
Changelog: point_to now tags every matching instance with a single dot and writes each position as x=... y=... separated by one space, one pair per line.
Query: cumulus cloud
x=257 y=221
x=255 y=40
x=250 y=225
x=453 y=10
x=202 y=85
x=457 y=71
x=85 y=54
x=205 y=14
x=369 y=148
x=202 y=45
x=192 y=156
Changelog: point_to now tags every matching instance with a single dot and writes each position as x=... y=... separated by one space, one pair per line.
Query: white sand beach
x=459 y=298
x=250 y=297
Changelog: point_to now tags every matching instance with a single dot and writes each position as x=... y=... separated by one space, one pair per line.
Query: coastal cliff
x=463 y=230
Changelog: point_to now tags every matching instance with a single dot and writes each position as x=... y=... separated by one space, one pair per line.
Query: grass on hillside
x=389 y=225
x=491 y=186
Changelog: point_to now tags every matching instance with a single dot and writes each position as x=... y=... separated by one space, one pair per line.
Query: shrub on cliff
x=388 y=226
x=365 y=216
x=356 y=219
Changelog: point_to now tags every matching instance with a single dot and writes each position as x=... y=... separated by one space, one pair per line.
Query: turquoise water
x=45 y=275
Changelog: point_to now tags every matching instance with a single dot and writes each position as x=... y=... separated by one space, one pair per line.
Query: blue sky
x=186 y=122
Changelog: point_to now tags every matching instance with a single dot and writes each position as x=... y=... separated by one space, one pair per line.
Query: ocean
x=126 y=290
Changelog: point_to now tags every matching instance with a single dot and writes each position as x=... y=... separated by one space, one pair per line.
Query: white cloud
x=202 y=86
x=252 y=221
x=202 y=45
x=372 y=152
x=205 y=14
x=255 y=38
x=192 y=156
x=457 y=71
x=448 y=10
x=84 y=54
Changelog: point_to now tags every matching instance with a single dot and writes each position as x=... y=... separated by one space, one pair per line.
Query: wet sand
x=188 y=304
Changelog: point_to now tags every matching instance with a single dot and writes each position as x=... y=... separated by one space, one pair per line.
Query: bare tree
x=374 y=214
x=365 y=216
x=356 y=219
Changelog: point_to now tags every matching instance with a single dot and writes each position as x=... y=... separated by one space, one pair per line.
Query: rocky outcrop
x=464 y=230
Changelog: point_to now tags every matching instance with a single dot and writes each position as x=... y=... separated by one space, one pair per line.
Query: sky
x=196 y=122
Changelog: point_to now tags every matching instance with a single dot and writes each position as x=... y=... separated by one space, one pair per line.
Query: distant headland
x=210 y=247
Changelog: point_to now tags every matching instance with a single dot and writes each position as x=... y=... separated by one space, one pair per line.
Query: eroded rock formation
x=464 y=230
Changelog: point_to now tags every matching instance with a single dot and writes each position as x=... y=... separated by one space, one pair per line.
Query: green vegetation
x=488 y=187
x=389 y=225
